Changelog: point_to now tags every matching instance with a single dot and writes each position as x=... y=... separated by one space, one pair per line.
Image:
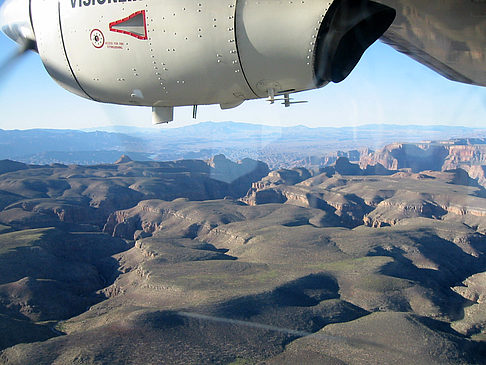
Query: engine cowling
x=167 y=53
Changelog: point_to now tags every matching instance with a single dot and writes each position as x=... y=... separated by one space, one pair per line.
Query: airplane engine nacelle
x=184 y=52
x=300 y=45
x=49 y=40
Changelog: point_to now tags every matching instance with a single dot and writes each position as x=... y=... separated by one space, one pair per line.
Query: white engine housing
x=167 y=53
x=276 y=42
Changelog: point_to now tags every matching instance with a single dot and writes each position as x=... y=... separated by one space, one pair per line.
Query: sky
x=385 y=88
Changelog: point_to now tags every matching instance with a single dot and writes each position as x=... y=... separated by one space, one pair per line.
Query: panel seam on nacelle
x=65 y=53
x=30 y=17
x=237 y=49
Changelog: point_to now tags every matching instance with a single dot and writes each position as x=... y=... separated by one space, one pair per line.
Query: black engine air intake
x=348 y=29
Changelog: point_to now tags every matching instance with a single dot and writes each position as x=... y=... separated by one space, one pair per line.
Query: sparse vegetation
x=143 y=262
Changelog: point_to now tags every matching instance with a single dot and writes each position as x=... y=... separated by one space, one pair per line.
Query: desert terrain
x=215 y=261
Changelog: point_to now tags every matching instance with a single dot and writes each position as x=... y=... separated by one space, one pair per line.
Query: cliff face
x=416 y=157
x=465 y=155
x=431 y=156
x=478 y=173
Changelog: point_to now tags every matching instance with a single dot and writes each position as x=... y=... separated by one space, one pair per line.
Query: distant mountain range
x=277 y=146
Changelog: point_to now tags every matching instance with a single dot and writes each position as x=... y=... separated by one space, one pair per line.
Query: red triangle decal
x=134 y=25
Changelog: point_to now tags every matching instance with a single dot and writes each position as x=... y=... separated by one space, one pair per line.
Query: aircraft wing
x=449 y=36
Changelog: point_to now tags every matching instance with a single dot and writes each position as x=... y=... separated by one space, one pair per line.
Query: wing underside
x=448 y=36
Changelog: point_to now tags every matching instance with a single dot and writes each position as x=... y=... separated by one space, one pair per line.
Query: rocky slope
x=84 y=196
x=357 y=197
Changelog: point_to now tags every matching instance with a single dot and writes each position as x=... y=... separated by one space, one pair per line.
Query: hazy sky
x=386 y=87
